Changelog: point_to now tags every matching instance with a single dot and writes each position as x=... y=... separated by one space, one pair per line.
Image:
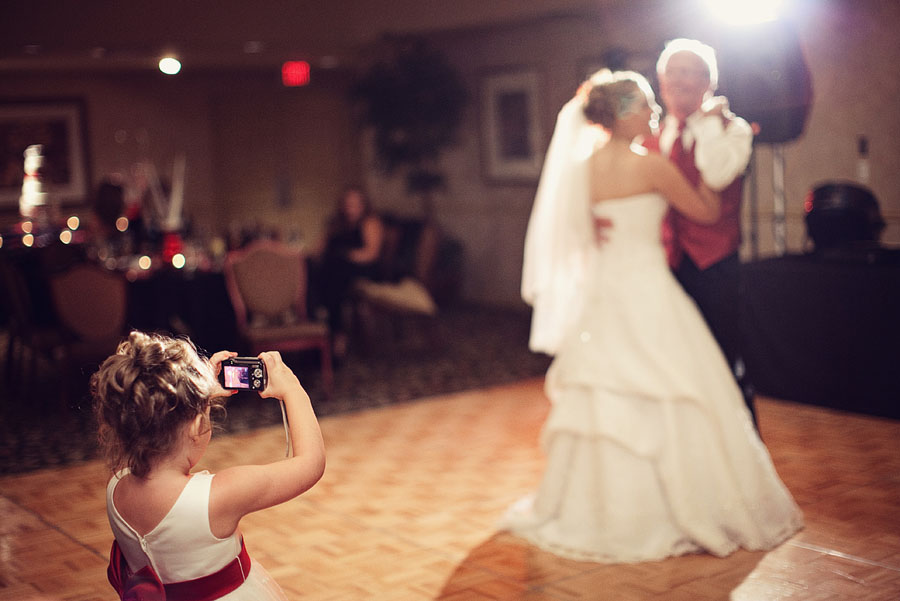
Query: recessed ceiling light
x=169 y=65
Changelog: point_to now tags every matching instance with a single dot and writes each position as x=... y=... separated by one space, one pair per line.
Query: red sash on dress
x=145 y=585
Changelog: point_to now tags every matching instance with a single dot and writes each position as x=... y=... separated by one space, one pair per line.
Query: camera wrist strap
x=287 y=436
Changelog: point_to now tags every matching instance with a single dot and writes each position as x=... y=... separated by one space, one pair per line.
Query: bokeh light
x=169 y=65
x=745 y=12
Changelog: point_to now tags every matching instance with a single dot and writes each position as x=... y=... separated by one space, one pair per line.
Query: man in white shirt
x=706 y=141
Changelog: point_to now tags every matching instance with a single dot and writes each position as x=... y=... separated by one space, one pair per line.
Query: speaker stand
x=779 y=230
x=752 y=194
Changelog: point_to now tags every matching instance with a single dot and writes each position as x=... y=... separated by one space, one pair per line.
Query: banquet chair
x=28 y=338
x=267 y=282
x=91 y=304
x=403 y=301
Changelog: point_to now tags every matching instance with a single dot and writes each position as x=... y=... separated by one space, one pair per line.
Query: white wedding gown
x=651 y=451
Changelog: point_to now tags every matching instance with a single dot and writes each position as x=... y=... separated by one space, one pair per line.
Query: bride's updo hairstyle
x=614 y=95
x=145 y=394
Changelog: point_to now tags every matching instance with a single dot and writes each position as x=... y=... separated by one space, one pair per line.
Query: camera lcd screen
x=237 y=376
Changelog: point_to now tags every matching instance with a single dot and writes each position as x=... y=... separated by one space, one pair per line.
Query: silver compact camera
x=243 y=373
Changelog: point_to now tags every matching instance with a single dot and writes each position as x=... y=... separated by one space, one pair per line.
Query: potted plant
x=414 y=100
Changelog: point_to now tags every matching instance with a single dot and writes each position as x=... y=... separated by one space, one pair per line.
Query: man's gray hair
x=703 y=51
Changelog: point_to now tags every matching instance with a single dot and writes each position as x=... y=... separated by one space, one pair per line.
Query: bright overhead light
x=745 y=12
x=169 y=65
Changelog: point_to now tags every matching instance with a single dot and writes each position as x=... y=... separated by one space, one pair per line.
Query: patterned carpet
x=474 y=347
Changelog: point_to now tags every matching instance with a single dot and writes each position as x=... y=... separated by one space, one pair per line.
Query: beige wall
x=246 y=138
x=852 y=54
x=133 y=118
x=256 y=152
x=488 y=217
x=282 y=155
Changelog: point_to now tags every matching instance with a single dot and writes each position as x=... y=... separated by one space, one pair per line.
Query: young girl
x=176 y=532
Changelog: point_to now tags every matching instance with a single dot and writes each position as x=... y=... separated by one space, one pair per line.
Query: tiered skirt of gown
x=650 y=448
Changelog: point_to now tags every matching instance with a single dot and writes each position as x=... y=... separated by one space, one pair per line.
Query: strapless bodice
x=635 y=237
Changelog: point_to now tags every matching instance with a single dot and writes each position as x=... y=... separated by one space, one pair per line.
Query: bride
x=651 y=451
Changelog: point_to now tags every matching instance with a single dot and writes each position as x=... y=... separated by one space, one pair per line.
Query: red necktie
x=677 y=151
x=678 y=156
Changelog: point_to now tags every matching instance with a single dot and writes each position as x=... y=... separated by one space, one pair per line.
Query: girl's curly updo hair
x=613 y=95
x=145 y=394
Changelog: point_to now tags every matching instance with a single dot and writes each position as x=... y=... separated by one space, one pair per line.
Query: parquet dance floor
x=407 y=507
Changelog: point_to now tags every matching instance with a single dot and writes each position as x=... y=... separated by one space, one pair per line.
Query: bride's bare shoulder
x=652 y=161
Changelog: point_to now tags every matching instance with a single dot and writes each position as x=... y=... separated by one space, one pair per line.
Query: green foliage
x=414 y=100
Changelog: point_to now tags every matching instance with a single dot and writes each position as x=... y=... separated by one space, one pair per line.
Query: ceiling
x=127 y=34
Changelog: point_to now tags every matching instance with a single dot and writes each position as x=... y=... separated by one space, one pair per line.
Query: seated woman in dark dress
x=350 y=251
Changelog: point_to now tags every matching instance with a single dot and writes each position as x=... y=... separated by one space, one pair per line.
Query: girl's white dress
x=651 y=451
x=182 y=547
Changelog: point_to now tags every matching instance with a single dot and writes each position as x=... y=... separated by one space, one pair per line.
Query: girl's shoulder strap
x=199 y=484
x=190 y=509
x=114 y=481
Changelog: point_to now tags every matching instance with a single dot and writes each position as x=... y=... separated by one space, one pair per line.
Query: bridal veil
x=560 y=231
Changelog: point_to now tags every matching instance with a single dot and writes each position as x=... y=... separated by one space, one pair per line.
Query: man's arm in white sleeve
x=722 y=150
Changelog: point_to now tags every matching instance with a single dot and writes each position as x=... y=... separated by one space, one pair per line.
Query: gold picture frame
x=56 y=124
x=511 y=137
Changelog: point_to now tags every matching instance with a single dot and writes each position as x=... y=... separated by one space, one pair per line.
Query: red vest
x=705 y=244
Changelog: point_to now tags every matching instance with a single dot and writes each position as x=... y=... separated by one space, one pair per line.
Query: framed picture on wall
x=511 y=137
x=58 y=126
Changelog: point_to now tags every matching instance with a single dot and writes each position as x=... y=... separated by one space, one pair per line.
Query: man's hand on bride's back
x=602 y=225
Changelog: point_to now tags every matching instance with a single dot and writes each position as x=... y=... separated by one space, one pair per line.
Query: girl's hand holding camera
x=240 y=490
x=216 y=362
x=281 y=380
x=266 y=374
